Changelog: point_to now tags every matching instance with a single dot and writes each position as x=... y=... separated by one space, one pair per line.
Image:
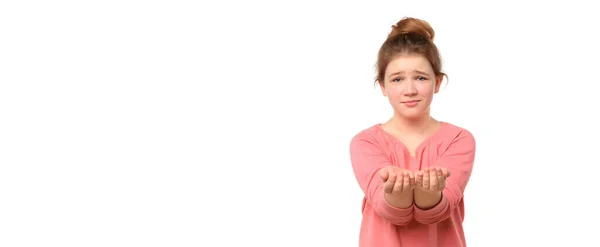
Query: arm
x=425 y=199
x=398 y=185
x=402 y=200
x=430 y=184
x=434 y=207
x=367 y=161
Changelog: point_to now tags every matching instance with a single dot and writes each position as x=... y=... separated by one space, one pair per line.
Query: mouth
x=411 y=103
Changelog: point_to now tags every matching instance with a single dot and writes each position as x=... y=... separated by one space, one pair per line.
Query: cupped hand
x=397 y=180
x=432 y=178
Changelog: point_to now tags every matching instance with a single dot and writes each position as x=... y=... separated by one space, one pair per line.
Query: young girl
x=413 y=169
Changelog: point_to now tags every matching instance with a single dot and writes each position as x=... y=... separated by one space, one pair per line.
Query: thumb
x=384 y=174
x=446 y=173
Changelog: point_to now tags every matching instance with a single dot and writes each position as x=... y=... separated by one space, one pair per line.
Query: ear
x=438 y=83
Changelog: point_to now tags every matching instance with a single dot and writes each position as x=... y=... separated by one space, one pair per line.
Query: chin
x=412 y=115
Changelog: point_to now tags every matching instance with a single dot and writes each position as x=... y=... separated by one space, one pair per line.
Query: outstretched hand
x=432 y=179
x=397 y=180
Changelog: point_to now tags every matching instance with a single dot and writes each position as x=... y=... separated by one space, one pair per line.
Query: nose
x=410 y=89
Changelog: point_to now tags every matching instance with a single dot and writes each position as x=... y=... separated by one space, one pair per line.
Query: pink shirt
x=383 y=225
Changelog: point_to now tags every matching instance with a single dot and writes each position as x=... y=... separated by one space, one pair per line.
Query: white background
x=172 y=123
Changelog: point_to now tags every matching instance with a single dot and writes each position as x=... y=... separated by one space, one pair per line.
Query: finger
x=433 y=182
x=419 y=179
x=440 y=178
x=443 y=184
x=411 y=175
x=384 y=174
x=398 y=184
x=446 y=173
x=446 y=179
x=426 y=178
x=407 y=184
x=388 y=186
x=412 y=180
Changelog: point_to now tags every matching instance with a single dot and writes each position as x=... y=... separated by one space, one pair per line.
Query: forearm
x=425 y=199
x=431 y=208
x=397 y=209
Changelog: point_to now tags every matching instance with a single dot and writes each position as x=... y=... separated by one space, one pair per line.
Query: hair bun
x=412 y=25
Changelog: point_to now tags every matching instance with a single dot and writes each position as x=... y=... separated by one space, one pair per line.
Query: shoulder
x=458 y=135
x=366 y=133
x=457 y=131
x=370 y=135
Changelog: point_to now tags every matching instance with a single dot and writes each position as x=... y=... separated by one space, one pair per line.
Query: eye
x=420 y=78
x=397 y=79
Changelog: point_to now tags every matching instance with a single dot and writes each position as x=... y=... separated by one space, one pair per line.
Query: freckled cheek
x=428 y=100
x=425 y=88
x=395 y=94
x=426 y=92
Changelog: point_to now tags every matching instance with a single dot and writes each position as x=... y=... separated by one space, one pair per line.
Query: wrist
x=426 y=199
x=402 y=200
x=425 y=191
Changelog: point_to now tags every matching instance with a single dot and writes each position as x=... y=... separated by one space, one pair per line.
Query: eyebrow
x=416 y=71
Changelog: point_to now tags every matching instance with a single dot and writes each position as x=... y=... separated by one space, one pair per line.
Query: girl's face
x=410 y=84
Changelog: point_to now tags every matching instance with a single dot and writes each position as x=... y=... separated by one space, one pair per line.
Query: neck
x=420 y=125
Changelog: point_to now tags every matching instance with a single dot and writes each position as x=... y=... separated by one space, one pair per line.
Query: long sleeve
x=367 y=159
x=458 y=159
